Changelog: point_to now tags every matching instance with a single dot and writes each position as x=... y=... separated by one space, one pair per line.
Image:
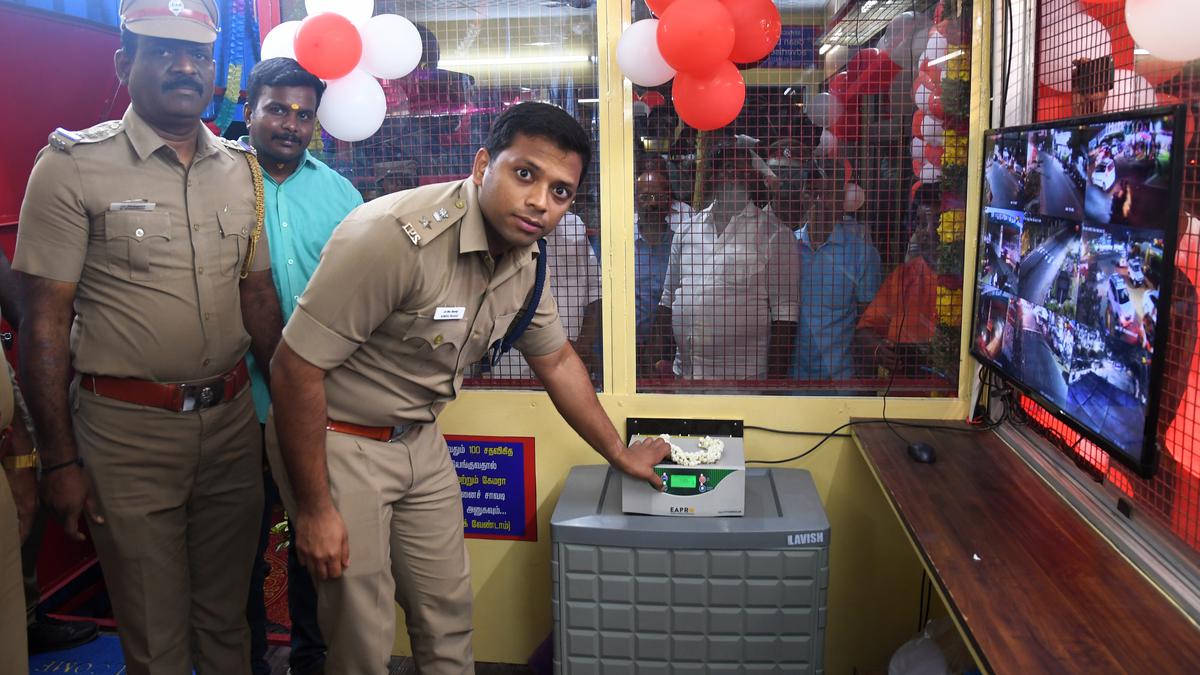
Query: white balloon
x=638 y=56
x=854 y=198
x=1130 y=91
x=391 y=46
x=278 y=42
x=929 y=173
x=921 y=97
x=935 y=47
x=1077 y=36
x=918 y=149
x=932 y=130
x=899 y=32
x=1166 y=27
x=357 y=11
x=823 y=110
x=828 y=145
x=353 y=107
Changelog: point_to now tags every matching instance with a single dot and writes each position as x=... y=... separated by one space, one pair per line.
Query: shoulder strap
x=259 y=211
x=519 y=326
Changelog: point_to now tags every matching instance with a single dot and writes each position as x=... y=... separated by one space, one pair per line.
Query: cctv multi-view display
x=1073 y=279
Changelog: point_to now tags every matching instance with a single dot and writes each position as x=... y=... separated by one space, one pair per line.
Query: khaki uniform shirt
x=155 y=247
x=406 y=298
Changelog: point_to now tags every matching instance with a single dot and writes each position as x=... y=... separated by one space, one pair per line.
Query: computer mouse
x=922 y=452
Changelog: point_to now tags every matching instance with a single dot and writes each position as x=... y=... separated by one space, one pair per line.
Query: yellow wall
x=875 y=575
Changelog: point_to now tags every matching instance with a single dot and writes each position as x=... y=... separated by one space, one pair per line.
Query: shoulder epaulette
x=62 y=139
x=239 y=145
x=434 y=217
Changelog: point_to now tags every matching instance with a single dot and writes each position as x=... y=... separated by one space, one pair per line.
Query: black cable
x=1006 y=50
x=834 y=434
x=795 y=433
x=921 y=600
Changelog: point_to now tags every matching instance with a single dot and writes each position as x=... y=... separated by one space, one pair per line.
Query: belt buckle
x=399 y=431
x=199 y=397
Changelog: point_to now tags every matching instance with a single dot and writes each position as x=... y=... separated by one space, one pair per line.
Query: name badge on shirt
x=139 y=205
x=449 y=313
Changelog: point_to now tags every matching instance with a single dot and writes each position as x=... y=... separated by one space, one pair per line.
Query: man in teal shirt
x=305 y=200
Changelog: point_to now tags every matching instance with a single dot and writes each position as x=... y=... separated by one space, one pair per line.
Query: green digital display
x=686 y=481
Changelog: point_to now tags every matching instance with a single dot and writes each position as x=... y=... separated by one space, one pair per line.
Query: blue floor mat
x=101 y=656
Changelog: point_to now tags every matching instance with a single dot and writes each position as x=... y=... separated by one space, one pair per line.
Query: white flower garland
x=709 y=452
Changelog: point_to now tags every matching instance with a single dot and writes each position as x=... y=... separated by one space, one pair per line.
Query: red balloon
x=848 y=126
x=917 y=121
x=708 y=102
x=695 y=36
x=658 y=6
x=871 y=71
x=935 y=107
x=1053 y=106
x=328 y=45
x=839 y=85
x=757 y=27
x=652 y=98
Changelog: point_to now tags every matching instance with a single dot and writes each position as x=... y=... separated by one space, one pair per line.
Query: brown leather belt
x=381 y=434
x=176 y=397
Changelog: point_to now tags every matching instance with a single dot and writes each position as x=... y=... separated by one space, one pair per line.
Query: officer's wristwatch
x=14 y=462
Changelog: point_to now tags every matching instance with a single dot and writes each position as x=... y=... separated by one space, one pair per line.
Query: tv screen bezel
x=1148 y=464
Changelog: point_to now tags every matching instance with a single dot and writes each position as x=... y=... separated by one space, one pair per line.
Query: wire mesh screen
x=814 y=245
x=1088 y=63
x=478 y=59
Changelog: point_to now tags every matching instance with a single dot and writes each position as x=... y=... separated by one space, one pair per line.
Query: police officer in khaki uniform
x=412 y=290
x=147 y=230
x=19 y=460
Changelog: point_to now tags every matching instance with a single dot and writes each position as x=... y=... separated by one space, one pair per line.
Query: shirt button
x=207 y=361
x=196 y=228
x=295 y=297
x=207 y=316
x=283 y=224
x=459 y=204
x=437 y=340
x=139 y=232
x=291 y=262
x=199 y=270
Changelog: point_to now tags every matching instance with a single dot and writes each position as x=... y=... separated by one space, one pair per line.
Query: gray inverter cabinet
x=656 y=594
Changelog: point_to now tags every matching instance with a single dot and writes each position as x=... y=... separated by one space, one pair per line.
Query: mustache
x=184 y=83
x=288 y=137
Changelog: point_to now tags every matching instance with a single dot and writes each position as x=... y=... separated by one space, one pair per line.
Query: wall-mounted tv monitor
x=1073 y=279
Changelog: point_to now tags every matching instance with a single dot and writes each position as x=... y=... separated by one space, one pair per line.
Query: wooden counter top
x=1034 y=587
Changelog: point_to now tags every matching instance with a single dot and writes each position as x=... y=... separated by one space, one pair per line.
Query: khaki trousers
x=181 y=495
x=403 y=512
x=14 y=659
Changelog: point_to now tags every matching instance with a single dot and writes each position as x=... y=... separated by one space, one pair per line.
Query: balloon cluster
x=929 y=121
x=1163 y=29
x=697 y=42
x=340 y=42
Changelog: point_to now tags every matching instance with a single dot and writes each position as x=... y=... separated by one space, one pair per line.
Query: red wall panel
x=57 y=73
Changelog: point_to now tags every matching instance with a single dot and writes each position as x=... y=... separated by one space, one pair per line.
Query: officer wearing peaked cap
x=412 y=289
x=140 y=243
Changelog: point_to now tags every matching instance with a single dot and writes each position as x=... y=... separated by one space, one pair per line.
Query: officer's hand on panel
x=68 y=494
x=322 y=543
x=638 y=460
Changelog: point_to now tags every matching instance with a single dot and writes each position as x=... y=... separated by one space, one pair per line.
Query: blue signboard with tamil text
x=499 y=493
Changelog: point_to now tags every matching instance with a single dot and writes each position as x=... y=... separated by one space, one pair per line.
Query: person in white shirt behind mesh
x=733 y=279
x=574 y=273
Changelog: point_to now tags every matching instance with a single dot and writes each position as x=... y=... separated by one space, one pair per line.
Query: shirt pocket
x=138 y=243
x=235 y=233
x=434 y=346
